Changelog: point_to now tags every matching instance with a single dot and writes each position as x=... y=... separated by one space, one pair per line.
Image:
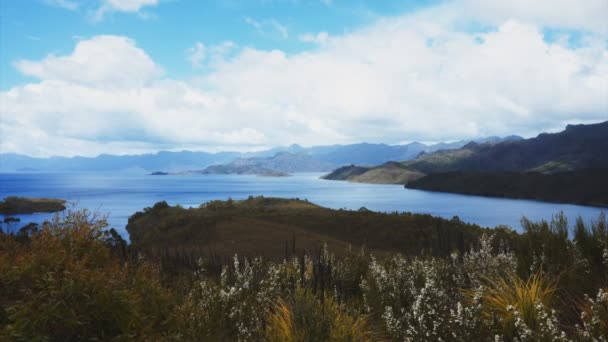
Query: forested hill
x=588 y=187
x=516 y=168
x=269 y=226
x=577 y=147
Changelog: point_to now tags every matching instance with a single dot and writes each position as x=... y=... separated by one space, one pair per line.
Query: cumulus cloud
x=414 y=77
x=98 y=62
x=128 y=6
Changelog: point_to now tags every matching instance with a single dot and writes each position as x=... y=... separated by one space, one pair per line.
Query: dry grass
x=280 y=325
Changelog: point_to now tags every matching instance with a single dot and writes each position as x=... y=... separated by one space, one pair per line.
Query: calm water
x=122 y=194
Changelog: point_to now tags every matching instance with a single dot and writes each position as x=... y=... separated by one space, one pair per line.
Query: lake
x=120 y=194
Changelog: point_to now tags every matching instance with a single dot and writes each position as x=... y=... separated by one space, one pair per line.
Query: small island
x=274 y=174
x=14 y=205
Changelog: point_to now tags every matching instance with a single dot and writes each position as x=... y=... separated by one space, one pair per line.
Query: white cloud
x=101 y=61
x=414 y=77
x=589 y=15
x=268 y=27
x=66 y=4
x=127 y=6
x=196 y=54
x=200 y=54
x=319 y=38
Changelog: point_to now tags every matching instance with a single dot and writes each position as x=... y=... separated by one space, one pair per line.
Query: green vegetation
x=24 y=205
x=588 y=187
x=72 y=280
x=66 y=282
x=276 y=228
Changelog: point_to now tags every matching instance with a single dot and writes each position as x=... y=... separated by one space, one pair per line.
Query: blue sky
x=133 y=76
x=31 y=29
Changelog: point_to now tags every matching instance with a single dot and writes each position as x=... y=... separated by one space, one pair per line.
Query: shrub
x=411 y=297
x=66 y=286
x=594 y=317
x=233 y=309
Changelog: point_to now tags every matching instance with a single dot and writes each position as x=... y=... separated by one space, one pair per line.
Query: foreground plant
x=305 y=318
x=518 y=309
x=65 y=285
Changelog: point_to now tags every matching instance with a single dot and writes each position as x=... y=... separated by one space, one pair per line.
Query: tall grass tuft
x=517 y=305
x=306 y=318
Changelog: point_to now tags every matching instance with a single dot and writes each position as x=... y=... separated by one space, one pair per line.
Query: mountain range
x=281 y=162
x=334 y=155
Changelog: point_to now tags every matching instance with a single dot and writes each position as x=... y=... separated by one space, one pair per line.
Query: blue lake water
x=120 y=194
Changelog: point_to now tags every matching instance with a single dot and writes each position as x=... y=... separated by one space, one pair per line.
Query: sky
x=136 y=76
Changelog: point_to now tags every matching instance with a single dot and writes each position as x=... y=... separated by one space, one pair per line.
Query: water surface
x=120 y=194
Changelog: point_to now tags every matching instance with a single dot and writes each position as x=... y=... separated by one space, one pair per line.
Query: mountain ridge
x=166 y=161
x=574 y=160
x=576 y=147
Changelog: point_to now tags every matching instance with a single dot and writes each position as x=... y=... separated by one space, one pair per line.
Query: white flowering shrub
x=413 y=297
x=478 y=296
x=466 y=322
x=594 y=317
x=546 y=327
x=235 y=308
x=488 y=263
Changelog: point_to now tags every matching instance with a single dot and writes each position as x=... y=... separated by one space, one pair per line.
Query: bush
x=66 y=286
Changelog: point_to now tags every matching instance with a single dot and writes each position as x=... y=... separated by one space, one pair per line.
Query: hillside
x=265 y=225
x=389 y=173
x=587 y=187
x=577 y=147
x=514 y=168
x=281 y=162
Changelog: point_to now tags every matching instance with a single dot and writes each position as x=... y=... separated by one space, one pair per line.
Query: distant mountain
x=577 y=147
x=514 y=168
x=360 y=154
x=174 y=161
x=374 y=154
x=281 y=162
